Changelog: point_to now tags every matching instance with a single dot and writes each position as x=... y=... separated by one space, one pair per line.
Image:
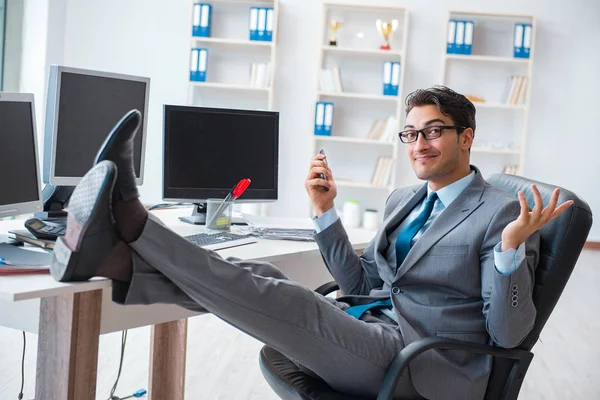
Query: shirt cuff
x=326 y=219
x=508 y=261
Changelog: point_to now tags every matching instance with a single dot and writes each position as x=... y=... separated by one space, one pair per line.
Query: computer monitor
x=19 y=169
x=83 y=107
x=207 y=151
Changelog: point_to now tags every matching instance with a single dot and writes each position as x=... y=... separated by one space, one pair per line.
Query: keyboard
x=218 y=241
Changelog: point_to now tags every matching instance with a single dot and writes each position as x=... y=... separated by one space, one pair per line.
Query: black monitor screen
x=18 y=173
x=89 y=107
x=208 y=151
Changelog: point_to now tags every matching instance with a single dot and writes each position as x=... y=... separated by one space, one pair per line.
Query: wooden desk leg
x=67 y=359
x=167 y=361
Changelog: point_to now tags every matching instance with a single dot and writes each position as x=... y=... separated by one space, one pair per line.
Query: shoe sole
x=131 y=122
x=91 y=231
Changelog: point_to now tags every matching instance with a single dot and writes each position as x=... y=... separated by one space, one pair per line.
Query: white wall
x=151 y=38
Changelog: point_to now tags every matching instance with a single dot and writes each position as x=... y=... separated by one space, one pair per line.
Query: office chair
x=561 y=242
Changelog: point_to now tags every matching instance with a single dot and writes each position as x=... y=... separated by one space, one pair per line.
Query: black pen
x=323 y=175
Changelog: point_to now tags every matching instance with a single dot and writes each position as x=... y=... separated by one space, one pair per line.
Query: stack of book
x=383 y=129
x=515 y=90
x=260 y=75
x=330 y=80
x=383 y=171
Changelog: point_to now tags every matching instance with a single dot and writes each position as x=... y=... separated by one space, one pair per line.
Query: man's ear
x=466 y=138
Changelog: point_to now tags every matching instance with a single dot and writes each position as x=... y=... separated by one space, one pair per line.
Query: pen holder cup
x=218 y=215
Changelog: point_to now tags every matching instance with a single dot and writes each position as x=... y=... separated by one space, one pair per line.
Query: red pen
x=237 y=191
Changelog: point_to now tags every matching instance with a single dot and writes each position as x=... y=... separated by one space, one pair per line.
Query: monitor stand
x=198 y=216
x=55 y=200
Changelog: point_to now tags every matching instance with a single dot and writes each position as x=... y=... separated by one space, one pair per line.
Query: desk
x=69 y=317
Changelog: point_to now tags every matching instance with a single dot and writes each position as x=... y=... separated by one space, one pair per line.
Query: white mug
x=371 y=220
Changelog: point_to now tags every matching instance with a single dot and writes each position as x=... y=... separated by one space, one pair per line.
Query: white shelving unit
x=351 y=154
x=501 y=133
x=230 y=56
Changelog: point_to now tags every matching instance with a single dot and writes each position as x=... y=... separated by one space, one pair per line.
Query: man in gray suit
x=454 y=257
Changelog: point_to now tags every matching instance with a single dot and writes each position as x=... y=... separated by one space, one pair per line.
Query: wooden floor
x=223 y=364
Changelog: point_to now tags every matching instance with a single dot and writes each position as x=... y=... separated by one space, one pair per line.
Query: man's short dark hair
x=449 y=102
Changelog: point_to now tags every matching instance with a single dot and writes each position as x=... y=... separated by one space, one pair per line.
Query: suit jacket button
x=515 y=287
x=396 y=290
x=515 y=303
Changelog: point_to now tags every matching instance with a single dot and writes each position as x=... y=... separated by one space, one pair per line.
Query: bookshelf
x=365 y=121
x=235 y=64
x=493 y=73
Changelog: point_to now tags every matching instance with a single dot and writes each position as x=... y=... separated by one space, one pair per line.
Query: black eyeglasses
x=429 y=133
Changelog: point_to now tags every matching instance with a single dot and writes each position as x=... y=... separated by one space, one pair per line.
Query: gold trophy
x=334 y=25
x=386 y=29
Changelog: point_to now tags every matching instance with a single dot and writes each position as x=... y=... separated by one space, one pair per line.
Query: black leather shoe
x=118 y=148
x=91 y=231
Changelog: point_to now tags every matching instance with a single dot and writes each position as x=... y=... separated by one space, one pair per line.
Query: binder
x=201 y=20
x=262 y=24
x=202 y=64
x=518 y=42
x=451 y=48
x=269 y=25
x=194 y=58
x=526 y=40
x=469 y=25
x=387 y=78
x=320 y=118
x=328 y=123
x=460 y=37
x=395 y=79
x=253 y=23
x=196 y=19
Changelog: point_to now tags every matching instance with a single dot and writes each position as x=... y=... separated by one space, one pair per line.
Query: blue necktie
x=409 y=232
x=402 y=249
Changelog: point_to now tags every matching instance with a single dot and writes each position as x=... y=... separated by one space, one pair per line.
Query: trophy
x=334 y=25
x=386 y=29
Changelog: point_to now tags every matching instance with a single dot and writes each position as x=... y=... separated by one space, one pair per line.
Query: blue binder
x=387 y=78
x=253 y=23
x=201 y=21
x=269 y=25
x=323 y=118
x=459 y=39
x=469 y=27
x=395 y=79
x=194 y=58
x=451 y=41
x=262 y=24
x=527 y=31
x=518 y=51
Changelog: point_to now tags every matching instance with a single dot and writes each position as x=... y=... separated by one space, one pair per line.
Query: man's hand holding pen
x=320 y=185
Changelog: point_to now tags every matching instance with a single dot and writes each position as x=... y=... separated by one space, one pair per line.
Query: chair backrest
x=561 y=242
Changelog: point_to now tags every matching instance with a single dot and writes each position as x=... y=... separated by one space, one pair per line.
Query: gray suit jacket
x=447 y=285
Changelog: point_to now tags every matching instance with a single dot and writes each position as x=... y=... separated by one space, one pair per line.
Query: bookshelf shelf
x=484 y=74
x=342 y=139
x=364 y=185
x=364 y=52
x=233 y=42
x=491 y=150
x=218 y=85
x=487 y=58
x=499 y=105
x=359 y=96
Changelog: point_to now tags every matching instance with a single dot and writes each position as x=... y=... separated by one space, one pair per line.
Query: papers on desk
x=16 y=260
x=279 y=228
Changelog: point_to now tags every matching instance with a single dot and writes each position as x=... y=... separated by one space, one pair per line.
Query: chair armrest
x=327 y=288
x=406 y=355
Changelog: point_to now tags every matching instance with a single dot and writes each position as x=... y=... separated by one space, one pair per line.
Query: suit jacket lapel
x=393 y=220
x=467 y=202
